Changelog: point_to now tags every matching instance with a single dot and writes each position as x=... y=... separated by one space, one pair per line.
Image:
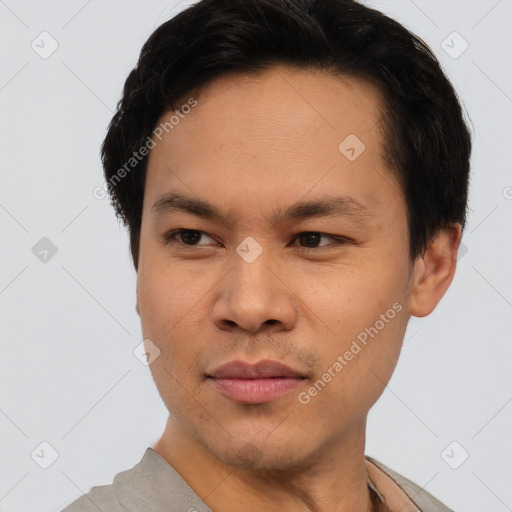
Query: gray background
x=68 y=323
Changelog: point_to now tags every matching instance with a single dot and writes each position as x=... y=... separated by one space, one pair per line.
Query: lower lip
x=256 y=391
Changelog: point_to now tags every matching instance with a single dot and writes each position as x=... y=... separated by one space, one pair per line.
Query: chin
x=261 y=455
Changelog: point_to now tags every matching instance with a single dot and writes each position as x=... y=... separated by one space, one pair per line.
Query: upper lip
x=264 y=369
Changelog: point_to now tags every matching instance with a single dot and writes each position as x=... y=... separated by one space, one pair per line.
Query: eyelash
x=170 y=238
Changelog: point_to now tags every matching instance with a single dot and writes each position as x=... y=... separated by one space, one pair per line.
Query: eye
x=312 y=239
x=188 y=237
x=309 y=239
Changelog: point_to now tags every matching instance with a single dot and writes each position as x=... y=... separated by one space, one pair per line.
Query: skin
x=251 y=144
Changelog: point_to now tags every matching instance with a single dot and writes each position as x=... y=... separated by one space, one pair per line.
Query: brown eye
x=189 y=237
x=312 y=239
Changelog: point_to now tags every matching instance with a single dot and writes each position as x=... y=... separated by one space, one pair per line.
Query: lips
x=259 y=383
x=262 y=370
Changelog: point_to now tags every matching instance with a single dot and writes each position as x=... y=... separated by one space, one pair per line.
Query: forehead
x=297 y=102
x=282 y=131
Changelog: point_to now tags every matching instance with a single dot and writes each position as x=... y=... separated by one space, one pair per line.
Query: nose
x=255 y=297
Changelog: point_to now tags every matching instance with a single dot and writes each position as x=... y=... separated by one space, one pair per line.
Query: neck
x=335 y=480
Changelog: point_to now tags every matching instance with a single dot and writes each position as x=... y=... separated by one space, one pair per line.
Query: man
x=293 y=174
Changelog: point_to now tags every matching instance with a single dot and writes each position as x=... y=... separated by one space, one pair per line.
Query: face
x=273 y=269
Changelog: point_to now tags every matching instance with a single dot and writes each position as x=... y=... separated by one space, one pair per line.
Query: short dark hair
x=427 y=141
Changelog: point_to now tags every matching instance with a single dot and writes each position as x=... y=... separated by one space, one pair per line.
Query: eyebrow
x=330 y=206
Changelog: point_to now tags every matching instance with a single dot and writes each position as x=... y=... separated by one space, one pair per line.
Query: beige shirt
x=154 y=485
x=401 y=495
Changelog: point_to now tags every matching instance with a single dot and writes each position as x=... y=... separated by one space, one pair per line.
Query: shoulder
x=417 y=499
x=151 y=485
x=124 y=493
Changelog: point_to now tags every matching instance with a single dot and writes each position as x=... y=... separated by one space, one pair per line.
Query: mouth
x=263 y=382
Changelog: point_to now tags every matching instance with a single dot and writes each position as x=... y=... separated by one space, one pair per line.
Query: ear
x=433 y=272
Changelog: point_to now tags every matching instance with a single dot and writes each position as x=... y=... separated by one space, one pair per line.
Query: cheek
x=366 y=318
x=172 y=303
x=357 y=365
x=351 y=296
x=166 y=293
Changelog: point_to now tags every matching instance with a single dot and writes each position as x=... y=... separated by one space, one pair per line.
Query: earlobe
x=433 y=272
